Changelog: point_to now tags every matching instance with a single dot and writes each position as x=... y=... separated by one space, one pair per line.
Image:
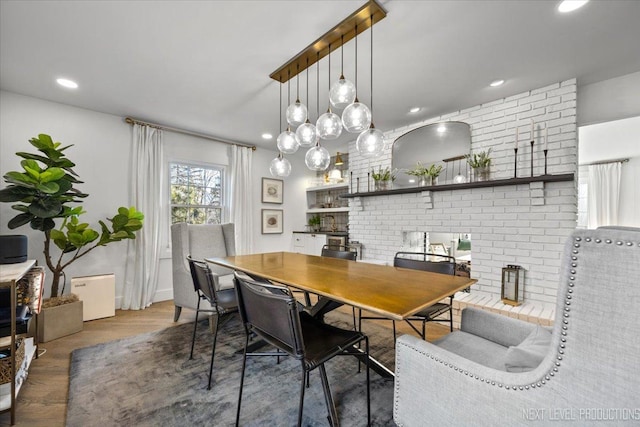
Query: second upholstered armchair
x=199 y=241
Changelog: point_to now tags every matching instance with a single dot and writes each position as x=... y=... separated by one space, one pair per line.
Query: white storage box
x=98 y=295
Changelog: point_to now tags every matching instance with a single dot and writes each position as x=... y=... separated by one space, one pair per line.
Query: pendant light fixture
x=297 y=112
x=370 y=143
x=280 y=166
x=287 y=141
x=307 y=133
x=343 y=92
x=357 y=116
x=329 y=125
x=317 y=157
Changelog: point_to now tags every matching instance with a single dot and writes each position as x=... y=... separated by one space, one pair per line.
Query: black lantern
x=512 y=285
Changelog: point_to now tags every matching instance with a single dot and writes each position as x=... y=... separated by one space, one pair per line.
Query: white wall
x=101 y=152
x=609 y=100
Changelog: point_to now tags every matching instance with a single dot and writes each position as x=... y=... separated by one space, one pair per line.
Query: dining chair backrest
x=426 y=262
x=328 y=251
x=202 y=279
x=271 y=312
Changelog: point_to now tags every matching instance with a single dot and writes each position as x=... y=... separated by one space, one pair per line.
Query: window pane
x=178 y=214
x=196 y=194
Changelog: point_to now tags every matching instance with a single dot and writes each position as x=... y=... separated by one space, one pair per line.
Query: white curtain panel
x=143 y=253
x=603 y=192
x=242 y=198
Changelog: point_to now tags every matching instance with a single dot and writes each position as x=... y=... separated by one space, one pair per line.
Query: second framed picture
x=272 y=221
x=272 y=190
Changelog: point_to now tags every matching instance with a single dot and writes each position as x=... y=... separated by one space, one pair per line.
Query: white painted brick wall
x=523 y=224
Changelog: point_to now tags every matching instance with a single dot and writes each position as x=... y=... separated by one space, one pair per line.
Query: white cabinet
x=308 y=243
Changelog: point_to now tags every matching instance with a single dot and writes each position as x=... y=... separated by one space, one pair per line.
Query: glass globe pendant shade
x=342 y=93
x=288 y=142
x=356 y=117
x=329 y=125
x=280 y=166
x=307 y=134
x=460 y=179
x=370 y=143
x=296 y=113
x=317 y=158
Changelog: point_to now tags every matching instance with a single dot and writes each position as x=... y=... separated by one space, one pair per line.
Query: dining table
x=392 y=292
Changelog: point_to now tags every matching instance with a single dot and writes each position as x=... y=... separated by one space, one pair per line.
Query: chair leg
x=366 y=343
x=244 y=365
x=394 y=333
x=213 y=348
x=195 y=326
x=176 y=313
x=333 y=415
x=305 y=378
x=451 y=317
x=355 y=326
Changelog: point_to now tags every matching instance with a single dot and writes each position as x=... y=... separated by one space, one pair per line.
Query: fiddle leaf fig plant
x=44 y=190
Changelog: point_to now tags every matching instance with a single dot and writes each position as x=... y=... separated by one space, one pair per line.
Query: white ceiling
x=204 y=65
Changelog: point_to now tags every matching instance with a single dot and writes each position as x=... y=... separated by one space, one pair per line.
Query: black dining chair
x=223 y=303
x=435 y=263
x=340 y=252
x=270 y=311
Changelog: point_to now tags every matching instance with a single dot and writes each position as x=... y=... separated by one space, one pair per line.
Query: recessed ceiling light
x=496 y=83
x=67 y=83
x=267 y=136
x=442 y=128
x=414 y=110
x=571 y=5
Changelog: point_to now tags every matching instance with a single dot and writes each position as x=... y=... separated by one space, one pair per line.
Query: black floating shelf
x=478 y=184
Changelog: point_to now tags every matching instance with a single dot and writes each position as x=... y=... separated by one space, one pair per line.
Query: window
x=196 y=193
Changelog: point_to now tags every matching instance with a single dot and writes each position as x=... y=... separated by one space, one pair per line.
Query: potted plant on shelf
x=480 y=164
x=433 y=172
x=314 y=223
x=383 y=179
x=420 y=172
x=44 y=191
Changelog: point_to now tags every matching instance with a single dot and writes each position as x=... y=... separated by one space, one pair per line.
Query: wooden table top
x=393 y=292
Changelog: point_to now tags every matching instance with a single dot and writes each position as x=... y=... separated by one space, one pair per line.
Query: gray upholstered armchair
x=588 y=369
x=199 y=241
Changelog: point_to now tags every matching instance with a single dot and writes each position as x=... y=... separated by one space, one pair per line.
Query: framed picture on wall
x=272 y=190
x=272 y=221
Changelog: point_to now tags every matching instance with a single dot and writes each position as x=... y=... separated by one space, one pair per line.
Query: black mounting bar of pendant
x=336 y=37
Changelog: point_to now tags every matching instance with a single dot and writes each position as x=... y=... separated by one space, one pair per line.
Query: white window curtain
x=603 y=192
x=143 y=253
x=241 y=203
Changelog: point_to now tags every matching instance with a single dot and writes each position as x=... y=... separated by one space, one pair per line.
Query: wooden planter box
x=60 y=321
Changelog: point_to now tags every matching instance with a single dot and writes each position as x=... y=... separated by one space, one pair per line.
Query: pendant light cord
x=371 y=67
x=342 y=57
x=288 y=87
x=329 y=76
x=280 y=109
x=307 y=85
x=318 y=84
x=297 y=83
x=356 y=42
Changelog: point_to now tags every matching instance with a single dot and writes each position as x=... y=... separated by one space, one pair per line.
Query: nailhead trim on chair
x=565 y=323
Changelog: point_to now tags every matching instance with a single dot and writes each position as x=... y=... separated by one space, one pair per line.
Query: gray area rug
x=148 y=380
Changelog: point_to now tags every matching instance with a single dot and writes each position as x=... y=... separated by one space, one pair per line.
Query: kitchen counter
x=329 y=233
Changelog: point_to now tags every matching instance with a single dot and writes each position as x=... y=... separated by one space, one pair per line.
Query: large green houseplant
x=45 y=192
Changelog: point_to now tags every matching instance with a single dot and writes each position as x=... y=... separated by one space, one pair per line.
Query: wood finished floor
x=43 y=398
